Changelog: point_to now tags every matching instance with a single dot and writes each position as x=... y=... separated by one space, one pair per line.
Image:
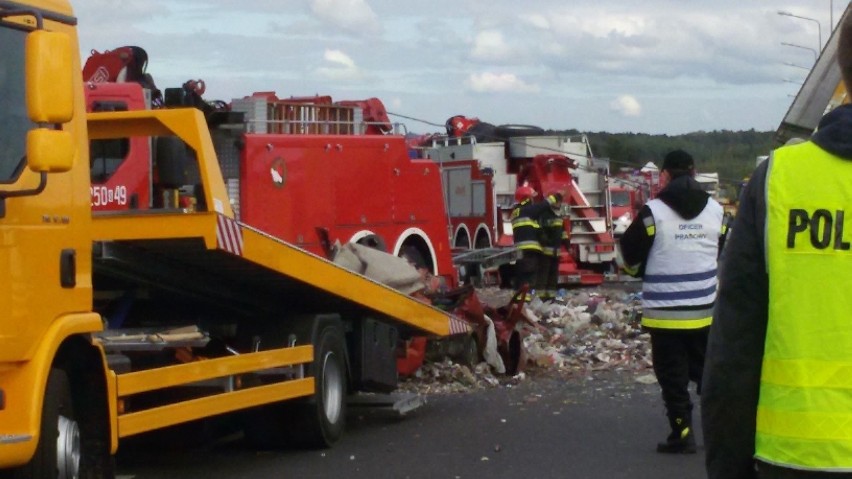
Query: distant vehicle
x=524 y=154
x=629 y=190
x=710 y=183
x=626 y=202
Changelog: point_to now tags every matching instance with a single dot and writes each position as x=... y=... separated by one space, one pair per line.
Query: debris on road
x=583 y=331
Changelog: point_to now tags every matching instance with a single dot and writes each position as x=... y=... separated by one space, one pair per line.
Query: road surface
x=601 y=426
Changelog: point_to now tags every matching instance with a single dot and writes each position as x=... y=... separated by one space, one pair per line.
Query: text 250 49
x=104 y=196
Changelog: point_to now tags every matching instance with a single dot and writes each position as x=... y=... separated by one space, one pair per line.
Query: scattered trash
x=647 y=379
x=581 y=332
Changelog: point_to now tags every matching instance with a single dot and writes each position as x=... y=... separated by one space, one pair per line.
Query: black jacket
x=552 y=228
x=526 y=226
x=735 y=349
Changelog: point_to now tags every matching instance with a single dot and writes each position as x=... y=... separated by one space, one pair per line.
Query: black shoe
x=678 y=442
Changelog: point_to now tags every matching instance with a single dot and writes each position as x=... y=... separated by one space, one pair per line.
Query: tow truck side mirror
x=50 y=100
x=49 y=151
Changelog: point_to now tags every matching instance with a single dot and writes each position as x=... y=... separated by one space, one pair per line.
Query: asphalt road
x=605 y=426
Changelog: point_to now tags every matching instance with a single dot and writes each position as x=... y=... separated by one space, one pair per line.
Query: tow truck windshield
x=13 y=108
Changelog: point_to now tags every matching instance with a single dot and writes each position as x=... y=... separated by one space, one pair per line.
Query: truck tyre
x=314 y=422
x=323 y=418
x=58 y=452
x=511 y=131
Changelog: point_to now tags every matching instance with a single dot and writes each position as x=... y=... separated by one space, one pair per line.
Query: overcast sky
x=649 y=66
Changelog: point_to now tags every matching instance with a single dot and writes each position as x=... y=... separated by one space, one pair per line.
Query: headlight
x=626 y=217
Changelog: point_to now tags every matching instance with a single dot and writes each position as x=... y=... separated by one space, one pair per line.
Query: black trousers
x=553 y=274
x=678 y=357
x=527 y=268
x=548 y=276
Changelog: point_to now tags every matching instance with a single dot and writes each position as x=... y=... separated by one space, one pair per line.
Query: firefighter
x=777 y=398
x=553 y=236
x=673 y=246
x=525 y=232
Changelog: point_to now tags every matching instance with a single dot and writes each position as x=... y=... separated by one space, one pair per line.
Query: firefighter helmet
x=554 y=199
x=524 y=192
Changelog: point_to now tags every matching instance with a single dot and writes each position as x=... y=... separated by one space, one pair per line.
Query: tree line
x=731 y=154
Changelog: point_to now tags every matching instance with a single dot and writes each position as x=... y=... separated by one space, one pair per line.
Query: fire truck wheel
x=58 y=450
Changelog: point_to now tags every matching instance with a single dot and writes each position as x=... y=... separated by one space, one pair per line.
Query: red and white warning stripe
x=229 y=237
x=458 y=326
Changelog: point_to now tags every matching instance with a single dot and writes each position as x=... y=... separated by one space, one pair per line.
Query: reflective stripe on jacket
x=552 y=233
x=681 y=267
x=525 y=226
x=804 y=414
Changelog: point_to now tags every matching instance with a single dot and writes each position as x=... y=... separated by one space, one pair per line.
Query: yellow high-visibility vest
x=804 y=416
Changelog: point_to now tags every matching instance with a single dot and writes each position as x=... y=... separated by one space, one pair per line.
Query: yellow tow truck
x=117 y=324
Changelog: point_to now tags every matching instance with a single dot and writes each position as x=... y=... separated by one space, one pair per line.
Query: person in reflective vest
x=778 y=394
x=553 y=236
x=673 y=245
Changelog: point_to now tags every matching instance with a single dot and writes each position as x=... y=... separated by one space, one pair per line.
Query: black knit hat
x=678 y=162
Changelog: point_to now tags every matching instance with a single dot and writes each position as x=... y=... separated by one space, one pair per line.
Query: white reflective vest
x=681 y=267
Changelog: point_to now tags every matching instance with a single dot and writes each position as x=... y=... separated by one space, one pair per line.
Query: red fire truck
x=304 y=169
x=518 y=154
x=629 y=190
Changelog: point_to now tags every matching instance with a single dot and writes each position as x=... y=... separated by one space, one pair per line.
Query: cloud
x=353 y=16
x=537 y=20
x=490 y=45
x=627 y=105
x=340 y=66
x=499 y=82
x=723 y=56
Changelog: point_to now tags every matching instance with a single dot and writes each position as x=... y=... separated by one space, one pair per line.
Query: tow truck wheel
x=324 y=417
x=314 y=422
x=58 y=452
